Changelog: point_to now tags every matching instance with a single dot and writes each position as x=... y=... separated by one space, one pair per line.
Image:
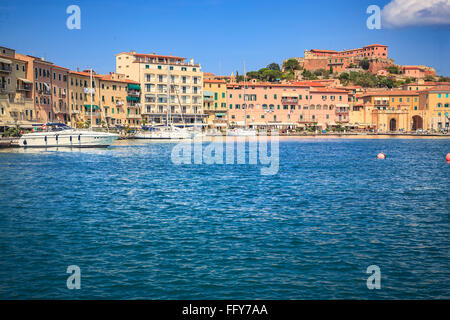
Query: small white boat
x=61 y=135
x=163 y=132
x=241 y=132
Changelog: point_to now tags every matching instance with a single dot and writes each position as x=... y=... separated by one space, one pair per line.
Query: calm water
x=140 y=227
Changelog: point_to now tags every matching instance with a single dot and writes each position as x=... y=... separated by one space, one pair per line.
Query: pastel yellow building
x=120 y=101
x=178 y=100
x=16 y=91
x=80 y=99
x=115 y=100
x=215 y=103
x=435 y=102
x=387 y=111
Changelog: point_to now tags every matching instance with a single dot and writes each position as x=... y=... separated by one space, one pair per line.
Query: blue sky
x=219 y=34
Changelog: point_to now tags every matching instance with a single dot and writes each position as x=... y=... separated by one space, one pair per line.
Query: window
x=159 y=67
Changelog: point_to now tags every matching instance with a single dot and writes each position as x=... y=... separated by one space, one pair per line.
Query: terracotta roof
x=438 y=88
x=152 y=55
x=267 y=84
x=86 y=74
x=328 y=90
x=108 y=77
x=55 y=66
x=308 y=84
x=214 y=81
x=328 y=51
x=391 y=93
x=376 y=45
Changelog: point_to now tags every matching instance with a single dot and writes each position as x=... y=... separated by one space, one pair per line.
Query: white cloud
x=403 y=13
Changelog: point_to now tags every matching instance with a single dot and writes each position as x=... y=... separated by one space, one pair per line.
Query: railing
x=59 y=111
x=133 y=116
x=132 y=104
x=5 y=68
x=134 y=93
x=94 y=114
x=20 y=101
x=24 y=88
x=286 y=101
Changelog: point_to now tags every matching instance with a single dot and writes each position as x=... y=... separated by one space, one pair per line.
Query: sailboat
x=245 y=131
x=167 y=131
x=61 y=135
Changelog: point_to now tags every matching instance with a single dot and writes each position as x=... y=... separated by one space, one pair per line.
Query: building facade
x=171 y=87
x=436 y=102
x=389 y=111
x=215 y=103
x=285 y=106
x=16 y=91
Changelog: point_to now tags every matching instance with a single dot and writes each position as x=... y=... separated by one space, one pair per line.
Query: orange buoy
x=381 y=155
x=447 y=157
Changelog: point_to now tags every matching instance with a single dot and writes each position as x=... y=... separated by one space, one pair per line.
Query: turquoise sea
x=140 y=227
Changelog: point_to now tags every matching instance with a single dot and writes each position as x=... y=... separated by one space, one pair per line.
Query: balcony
x=132 y=104
x=289 y=101
x=59 y=111
x=24 y=87
x=94 y=114
x=45 y=92
x=134 y=93
x=133 y=116
x=5 y=68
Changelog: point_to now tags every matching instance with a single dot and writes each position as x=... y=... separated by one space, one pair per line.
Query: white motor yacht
x=61 y=135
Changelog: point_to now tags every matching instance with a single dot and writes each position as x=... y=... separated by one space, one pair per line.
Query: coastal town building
x=269 y=105
x=80 y=99
x=178 y=99
x=16 y=91
x=115 y=100
x=388 y=111
x=120 y=101
x=436 y=102
x=338 y=61
x=59 y=90
x=215 y=103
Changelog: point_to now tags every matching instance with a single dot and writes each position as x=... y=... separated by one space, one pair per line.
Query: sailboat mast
x=168 y=92
x=245 y=106
x=91 y=98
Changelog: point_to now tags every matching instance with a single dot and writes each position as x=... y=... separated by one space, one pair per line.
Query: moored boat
x=61 y=135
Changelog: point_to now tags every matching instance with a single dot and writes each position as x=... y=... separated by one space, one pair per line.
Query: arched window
x=325 y=107
x=318 y=107
x=439 y=105
x=331 y=107
x=312 y=107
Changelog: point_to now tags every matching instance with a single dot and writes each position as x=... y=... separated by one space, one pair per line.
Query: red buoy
x=381 y=155
x=447 y=157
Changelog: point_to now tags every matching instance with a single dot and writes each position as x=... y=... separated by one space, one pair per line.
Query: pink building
x=43 y=90
x=373 y=50
x=285 y=105
x=60 y=96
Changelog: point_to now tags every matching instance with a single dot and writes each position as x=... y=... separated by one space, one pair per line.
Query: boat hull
x=164 y=135
x=71 y=140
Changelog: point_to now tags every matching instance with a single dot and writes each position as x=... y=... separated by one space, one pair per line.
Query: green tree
x=365 y=64
x=274 y=66
x=291 y=65
x=393 y=69
x=308 y=75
